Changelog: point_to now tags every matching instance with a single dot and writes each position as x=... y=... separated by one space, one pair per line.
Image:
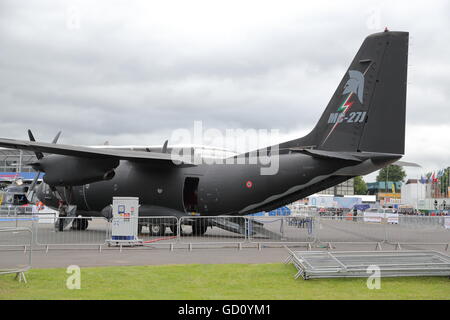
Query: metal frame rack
x=325 y=264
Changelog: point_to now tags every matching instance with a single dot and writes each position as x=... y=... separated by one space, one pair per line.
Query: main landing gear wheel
x=174 y=229
x=199 y=227
x=60 y=223
x=157 y=229
x=80 y=224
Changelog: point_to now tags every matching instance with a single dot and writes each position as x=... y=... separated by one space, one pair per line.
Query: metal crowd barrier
x=339 y=264
x=17 y=221
x=281 y=229
x=78 y=231
x=349 y=229
x=12 y=211
x=158 y=230
x=418 y=230
x=16 y=245
x=422 y=221
x=231 y=230
x=212 y=231
x=403 y=230
x=7 y=211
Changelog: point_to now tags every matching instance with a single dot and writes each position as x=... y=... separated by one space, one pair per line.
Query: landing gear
x=158 y=226
x=80 y=224
x=199 y=227
x=66 y=216
x=174 y=229
x=67 y=212
x=60 y=224
x=157 y=229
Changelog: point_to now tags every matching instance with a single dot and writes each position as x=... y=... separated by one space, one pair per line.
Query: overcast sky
x=132 y=72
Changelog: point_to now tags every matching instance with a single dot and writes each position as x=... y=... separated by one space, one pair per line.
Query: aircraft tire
x=157 y=229
x=84 y=224
x=199 y=227
x=76 y=224
x=174 y=229
x=80 y=224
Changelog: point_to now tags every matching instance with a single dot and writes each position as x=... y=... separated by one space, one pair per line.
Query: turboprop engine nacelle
x=75 y=171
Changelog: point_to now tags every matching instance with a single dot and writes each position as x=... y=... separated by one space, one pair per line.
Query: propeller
x=30 y=193
x=39 y=155
x=164 y=148
x=55 y=139
x=36 y=165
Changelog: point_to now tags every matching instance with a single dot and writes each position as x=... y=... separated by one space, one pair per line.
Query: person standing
x=355 y=213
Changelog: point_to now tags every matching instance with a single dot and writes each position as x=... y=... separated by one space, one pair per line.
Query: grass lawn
x=229 y=281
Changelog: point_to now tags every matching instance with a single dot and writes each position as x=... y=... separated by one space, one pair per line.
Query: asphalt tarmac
x=93 y=257
x=216 y=246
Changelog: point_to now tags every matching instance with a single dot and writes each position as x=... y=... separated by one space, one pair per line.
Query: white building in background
x=342 y=189
x=412 y=191
x=370 y=199
x=347 y=201
x=420 y=196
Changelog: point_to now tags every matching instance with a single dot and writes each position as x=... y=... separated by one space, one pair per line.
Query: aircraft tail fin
x=367 y=110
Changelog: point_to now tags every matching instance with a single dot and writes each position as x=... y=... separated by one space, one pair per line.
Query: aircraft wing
x=86 y=152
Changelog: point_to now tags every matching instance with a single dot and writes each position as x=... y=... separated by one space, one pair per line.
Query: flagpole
x=447 y=171
x=434 y=186
x=417 y=192
x=448 y=182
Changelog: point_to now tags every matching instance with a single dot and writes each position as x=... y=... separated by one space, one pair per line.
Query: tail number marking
x=353 y=117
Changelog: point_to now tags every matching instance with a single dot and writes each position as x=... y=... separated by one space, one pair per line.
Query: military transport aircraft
x=361 y=130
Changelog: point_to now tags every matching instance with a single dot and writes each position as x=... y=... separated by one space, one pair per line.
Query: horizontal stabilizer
x=327 y=154
x=353 y=156
x=407 y=164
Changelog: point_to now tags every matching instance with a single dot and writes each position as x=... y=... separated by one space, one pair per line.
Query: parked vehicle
x=379 y=215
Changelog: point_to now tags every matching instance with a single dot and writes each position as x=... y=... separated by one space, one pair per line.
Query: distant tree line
x=391 y=173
